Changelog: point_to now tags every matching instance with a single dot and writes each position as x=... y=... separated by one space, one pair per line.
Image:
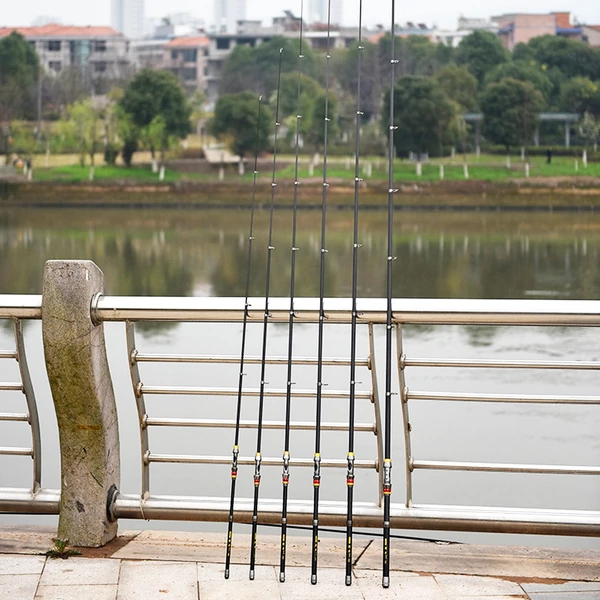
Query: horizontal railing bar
x=441 y=465
x=251 y=360
x=7 y=354
x=20 y=306
x=509 y=398
x=500 y=364
x=14 y=417
x=226 y=460
x=10 y=451
x=25 y=501
x=339 y=310
x=231 y=423
x=279 y=393
x=11 y=387
x=366 y=514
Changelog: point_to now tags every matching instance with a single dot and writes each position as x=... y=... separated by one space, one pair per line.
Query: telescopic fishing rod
x=317 y=455
x=236 y=449
x=387 y=445
x=355 y=248
x=261 y=399
x=285 y=477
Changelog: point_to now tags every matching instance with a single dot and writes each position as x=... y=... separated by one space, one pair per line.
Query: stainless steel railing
x=406 y=313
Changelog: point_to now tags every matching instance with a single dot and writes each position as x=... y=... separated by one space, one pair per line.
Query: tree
x=19 y=71
x=480 y=52
x=589 y=130
x=236 y=121
x=579 y=95
x=459 y=84
x=510 y=112
x=316 y=133
x=571 y=57
x=522 y=71
x=85 y=117
x=153 y=94
x=423 y=114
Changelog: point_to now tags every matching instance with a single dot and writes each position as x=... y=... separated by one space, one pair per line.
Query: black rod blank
x=261 y=399
x=236 y=449
x=355 y=248
x=285 y=477
x=387 y=444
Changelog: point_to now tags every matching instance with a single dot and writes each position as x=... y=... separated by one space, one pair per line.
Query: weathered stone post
x=84 y=401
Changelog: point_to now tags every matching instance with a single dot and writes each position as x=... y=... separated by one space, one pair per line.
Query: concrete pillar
x=84 y=401
x=536 y=136
x=567 y=135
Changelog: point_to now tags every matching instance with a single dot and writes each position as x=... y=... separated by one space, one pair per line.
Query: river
x=202 y=252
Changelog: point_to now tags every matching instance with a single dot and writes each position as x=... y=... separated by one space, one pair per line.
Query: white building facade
x=227 y=14
x=127 y=16
x=318 y=9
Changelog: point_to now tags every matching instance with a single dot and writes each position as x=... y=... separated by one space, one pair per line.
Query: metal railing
x=372 y=315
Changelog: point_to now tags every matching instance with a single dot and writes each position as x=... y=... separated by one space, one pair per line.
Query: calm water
x=462 y=255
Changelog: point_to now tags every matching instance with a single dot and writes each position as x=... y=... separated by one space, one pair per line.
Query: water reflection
x=204 y=252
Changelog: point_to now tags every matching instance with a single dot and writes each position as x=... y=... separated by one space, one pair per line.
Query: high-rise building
x=228 y=13
x=318 y=11
x=127 y=16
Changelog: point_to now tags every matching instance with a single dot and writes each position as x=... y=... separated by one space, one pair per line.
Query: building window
x=54 y=46
x=190 y=56
x=223 y=43
x=55 y=65
x=189 y=74
x=100 y=46
x=100 y=67
x=174 y=54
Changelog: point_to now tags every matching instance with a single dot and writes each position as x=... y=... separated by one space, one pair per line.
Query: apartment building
x=186 y=57
x=99 y=51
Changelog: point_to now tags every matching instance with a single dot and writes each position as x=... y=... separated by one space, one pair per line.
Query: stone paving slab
x=81 y=571
x=469 y=585
x=149 y=580
x=21 y=565
x=474 y=559
x=211 y=547
x=21 y=587
x=77 y=592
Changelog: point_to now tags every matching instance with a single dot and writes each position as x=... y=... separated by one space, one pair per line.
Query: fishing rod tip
x=313 y=579
x=386 y=582
x=282 y=577
x=226 y=573
x=251 y=576
x=348 y=579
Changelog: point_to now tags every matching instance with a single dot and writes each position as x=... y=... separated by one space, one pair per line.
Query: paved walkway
x=162 y=565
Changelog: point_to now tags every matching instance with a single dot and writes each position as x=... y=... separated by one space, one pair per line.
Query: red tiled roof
x=563 y=20
x=187 y=42
x=61 y=31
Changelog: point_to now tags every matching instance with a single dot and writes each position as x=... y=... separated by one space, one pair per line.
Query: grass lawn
x=484 y=168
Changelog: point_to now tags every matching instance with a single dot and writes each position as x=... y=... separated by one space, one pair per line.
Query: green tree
x=460 y=85
x=129 y=134
x=288 y=94
x=85 y=118
x=316 y=134
x=510 y=112
x=571 y=57
x=236 y=122
x=589 y=130
x=579 y=95
x=19 y=70
x=522 y=71
x=423 y=114
x=480 y=52
x=152 y=94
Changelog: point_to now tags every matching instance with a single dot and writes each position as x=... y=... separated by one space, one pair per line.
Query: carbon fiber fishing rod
x=355 y=248
x=261 y=398
x=285 y=477
x=317 y=455
x=387 y=444
x=236 y=449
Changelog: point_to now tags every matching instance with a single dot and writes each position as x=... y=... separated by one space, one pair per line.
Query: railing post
x=84 y=401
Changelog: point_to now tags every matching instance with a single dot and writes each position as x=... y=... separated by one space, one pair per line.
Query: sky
x=433 y=12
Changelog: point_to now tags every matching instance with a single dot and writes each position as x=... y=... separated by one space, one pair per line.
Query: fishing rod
x=355 y=248
x=261 y=399
x=236 y=449
x=317 y=455
x=387 y=444
x=285 y=477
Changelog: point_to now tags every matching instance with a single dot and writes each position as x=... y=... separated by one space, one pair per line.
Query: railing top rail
x=20 y=306
x=338 y=310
